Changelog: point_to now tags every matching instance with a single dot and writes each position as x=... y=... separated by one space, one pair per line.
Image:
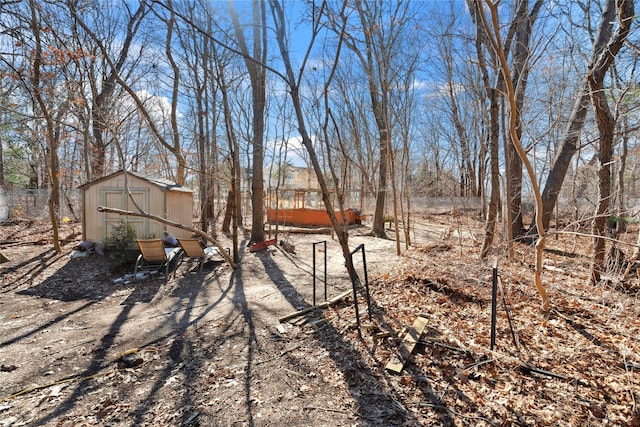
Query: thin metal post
x=366 y=282
x=314 y=274
x=325 y=270
x=355 y=299
x=494 y=303
x=324 y=242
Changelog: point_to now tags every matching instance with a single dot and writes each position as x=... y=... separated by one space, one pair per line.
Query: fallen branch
x=319 y=408
x=325 y=304
x=202 y=234
x=433 y=341
x=323 y=230
x=524 y=365
x=531 y=368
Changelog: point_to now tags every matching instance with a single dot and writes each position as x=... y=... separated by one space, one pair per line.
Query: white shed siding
x=155 y=196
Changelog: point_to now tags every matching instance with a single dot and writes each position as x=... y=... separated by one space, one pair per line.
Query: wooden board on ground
x=323 y=305
x=299 y=321
x=396 y=364
x=261 y=245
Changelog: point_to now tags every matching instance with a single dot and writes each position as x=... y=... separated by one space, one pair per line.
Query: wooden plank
x=325 y=304
x=299 y=321
x=396 y=364
x=261 y=245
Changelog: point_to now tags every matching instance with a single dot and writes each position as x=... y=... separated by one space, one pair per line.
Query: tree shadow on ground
x=46 y=325
x=32 y=268
x=445 y=360
x=374 y=407
x=86 y=278
x=96 y=364
x=177 y=321
x=181 y=348
x=240 y=302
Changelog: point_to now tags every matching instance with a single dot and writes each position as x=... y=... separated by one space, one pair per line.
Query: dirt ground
x=77 y=349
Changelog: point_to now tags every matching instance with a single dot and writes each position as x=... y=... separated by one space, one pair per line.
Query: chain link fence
x=33 y=204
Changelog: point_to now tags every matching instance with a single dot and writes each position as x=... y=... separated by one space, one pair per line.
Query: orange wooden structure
x=303 y=217
x=300 y=216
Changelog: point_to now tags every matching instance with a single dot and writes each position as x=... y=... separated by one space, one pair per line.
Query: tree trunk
x=376 y=59
x=234 y=197
x=181 y=162
x=558 y=171
x=523 y=22
x=50 y=134
x=257 y=75
x=494 y=195
x=100 y=108
x=2 y=179
x=228 y=212
x=511 y=97
x=621 y=190
x=606 y=46
x=377 y=226
x=606 y=125
x=294 y=92
x=493 y=97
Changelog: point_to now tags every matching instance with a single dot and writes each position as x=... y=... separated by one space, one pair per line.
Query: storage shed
x=156 y=196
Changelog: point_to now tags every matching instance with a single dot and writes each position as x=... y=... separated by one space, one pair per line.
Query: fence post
x=354 y=284
x=494 y=304
x=314 y=270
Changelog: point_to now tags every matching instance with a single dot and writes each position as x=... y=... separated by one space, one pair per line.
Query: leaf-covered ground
x=77 y=349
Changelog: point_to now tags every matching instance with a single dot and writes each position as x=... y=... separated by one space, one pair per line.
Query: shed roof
x=162 y=183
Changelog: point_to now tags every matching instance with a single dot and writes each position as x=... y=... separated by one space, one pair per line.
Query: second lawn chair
x=192 y=248
x=153 y=254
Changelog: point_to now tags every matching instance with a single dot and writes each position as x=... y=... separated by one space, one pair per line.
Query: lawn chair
x=192 y=248
x=153 y=254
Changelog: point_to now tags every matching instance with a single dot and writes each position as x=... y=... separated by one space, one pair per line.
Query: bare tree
x=172 y=145
x=104 y=86
x=355 y=125
x=522 y=26
x=469 y=186
x=175 y=87
x=494 y=37
x=605 y=120
x=257 y=76
x=42 y=97
x=233 y=215
x=3 y=97
x=405 y=110
x=606 y=45
x=493 y=96
x=293 y=83
x=517 y=41
x=377 y=47
x=202 y=93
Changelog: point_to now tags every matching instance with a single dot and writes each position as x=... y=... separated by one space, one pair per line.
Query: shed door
x=119 y=199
